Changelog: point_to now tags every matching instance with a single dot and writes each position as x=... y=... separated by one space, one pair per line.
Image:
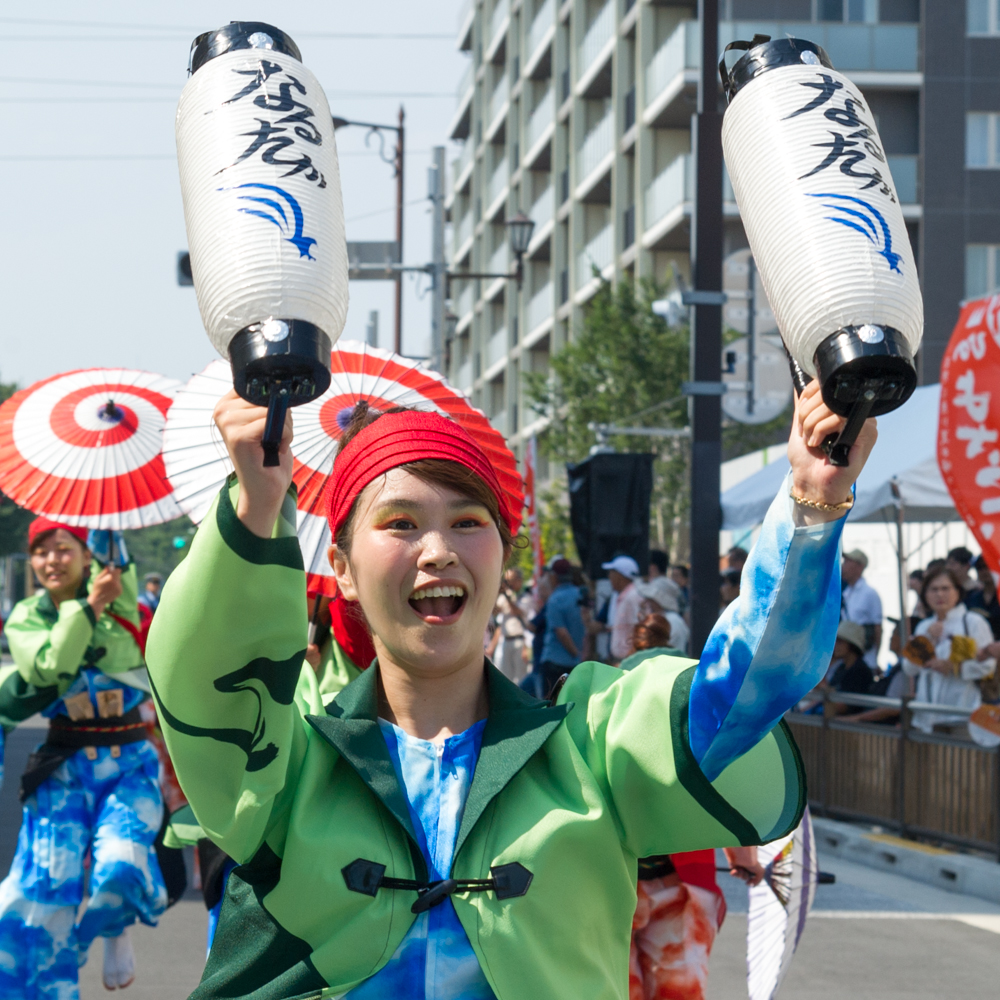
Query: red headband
x=41 y=525
x=399 y=438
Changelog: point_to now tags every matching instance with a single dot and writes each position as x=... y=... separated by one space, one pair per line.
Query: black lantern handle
x=277 y=407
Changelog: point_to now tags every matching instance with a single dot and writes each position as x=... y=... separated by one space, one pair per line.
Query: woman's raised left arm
x=772 y=645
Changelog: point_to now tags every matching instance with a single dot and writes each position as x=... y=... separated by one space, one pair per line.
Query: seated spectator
x=894 y=683
x=960 y=561
x=661 y=596
x=651 y=637
x=736 y=558
x=729 y=588
x=849 y=673
x=991 y=606
x=657 y=564
x=680 y=573
x=943 y=656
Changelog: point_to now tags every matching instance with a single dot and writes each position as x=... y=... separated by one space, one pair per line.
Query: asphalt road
x=871 y=936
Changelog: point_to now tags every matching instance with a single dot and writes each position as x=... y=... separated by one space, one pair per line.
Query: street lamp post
x=395 y=159
x=519 y=232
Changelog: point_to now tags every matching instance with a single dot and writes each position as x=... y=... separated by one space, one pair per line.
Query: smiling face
x=425 y=563
x=59 y=561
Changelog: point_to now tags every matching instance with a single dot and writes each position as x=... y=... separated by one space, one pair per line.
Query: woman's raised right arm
x=224 y=655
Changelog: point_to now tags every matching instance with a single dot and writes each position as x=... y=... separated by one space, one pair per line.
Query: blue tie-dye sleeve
x=773 y=644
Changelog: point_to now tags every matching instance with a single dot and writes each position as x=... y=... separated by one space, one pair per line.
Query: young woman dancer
x=436 y=832
x=91 y=786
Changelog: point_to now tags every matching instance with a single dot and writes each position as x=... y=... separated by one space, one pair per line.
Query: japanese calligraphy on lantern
x=969 y=422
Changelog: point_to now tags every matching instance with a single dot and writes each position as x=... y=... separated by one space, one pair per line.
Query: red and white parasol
x=197 y=464
x=85 y=447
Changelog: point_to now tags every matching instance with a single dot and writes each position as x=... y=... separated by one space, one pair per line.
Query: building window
x=982 y=270
x=982 y=139
x=981 y=17
x=853 y=11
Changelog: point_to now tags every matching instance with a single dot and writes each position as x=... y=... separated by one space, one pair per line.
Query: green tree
x=156 y=549
x=625 y=366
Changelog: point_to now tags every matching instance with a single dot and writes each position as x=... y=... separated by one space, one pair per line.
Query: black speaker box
x=609 y=498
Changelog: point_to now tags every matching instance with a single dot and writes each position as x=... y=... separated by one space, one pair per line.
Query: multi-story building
x=578 y=113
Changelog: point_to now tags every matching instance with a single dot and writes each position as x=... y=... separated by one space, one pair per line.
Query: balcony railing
x=541 y=117
x=542 y=22
x=598 y=253
x=671 y=188
x=496 y=349
x=499 y=260
x=498 y=98
x=498 y=181
x=540 y=307
x=463 y=229
x=541 y=210
x=904 y=174
x=465 y=83
x=682 y=50
x=464 y=158
x=463 y=304
x=602 y=28
x=500 y=11
x=885 y=48
x=597 y=144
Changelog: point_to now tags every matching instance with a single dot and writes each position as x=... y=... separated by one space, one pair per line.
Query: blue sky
x=92 y=215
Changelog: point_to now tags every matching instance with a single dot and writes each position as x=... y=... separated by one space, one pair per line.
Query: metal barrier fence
x=919 y=784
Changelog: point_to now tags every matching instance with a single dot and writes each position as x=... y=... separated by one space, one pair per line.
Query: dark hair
x=684 y=568
x=917 y=574
x=739 y=552
x=658 y=558
x=732 y=577
x=931 y=575
x=651 y=633
x=961 y=555
x=436 y=471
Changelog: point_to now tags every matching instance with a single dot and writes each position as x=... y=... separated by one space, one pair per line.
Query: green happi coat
x=50 y=646
x=574 y=792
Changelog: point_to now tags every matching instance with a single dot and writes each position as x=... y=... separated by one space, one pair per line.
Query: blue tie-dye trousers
x=111 y=807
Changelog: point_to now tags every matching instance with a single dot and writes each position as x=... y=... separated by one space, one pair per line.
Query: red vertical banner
x=969 y=423
x=531 y=500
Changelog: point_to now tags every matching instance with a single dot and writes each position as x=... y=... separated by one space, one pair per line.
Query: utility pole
x=706 y=337
x=400 y=193
x=435 y=192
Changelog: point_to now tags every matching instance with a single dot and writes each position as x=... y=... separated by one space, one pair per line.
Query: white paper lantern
x=824 y=223
x=265 y=221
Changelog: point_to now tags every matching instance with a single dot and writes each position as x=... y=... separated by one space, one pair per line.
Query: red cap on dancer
x=42 y=525
x=396 y=439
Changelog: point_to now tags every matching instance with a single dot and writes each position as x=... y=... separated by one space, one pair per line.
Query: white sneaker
x=119 y=962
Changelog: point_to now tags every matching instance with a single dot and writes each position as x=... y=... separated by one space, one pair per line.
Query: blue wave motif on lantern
x=866 y=220
x=275 y=212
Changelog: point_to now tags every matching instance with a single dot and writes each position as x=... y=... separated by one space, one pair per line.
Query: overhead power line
x=341 y=95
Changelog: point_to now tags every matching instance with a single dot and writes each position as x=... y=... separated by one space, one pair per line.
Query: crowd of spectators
x=944 y=654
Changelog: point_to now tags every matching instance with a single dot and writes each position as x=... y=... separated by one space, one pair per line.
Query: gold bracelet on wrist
x=832 y=508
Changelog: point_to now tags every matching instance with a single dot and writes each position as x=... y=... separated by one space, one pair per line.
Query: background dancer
x=427 y=835
x=91 y=786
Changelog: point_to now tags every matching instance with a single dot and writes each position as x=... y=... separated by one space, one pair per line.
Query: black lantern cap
x=764 y=53
x=240 y=35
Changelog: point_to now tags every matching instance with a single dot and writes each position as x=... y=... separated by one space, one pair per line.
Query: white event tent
x=904 y=458
x=902 y=507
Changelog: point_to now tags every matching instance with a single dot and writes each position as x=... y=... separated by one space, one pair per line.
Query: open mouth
x=438 y=605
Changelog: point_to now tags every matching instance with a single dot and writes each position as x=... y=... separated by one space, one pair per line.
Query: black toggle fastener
x=367 y=877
